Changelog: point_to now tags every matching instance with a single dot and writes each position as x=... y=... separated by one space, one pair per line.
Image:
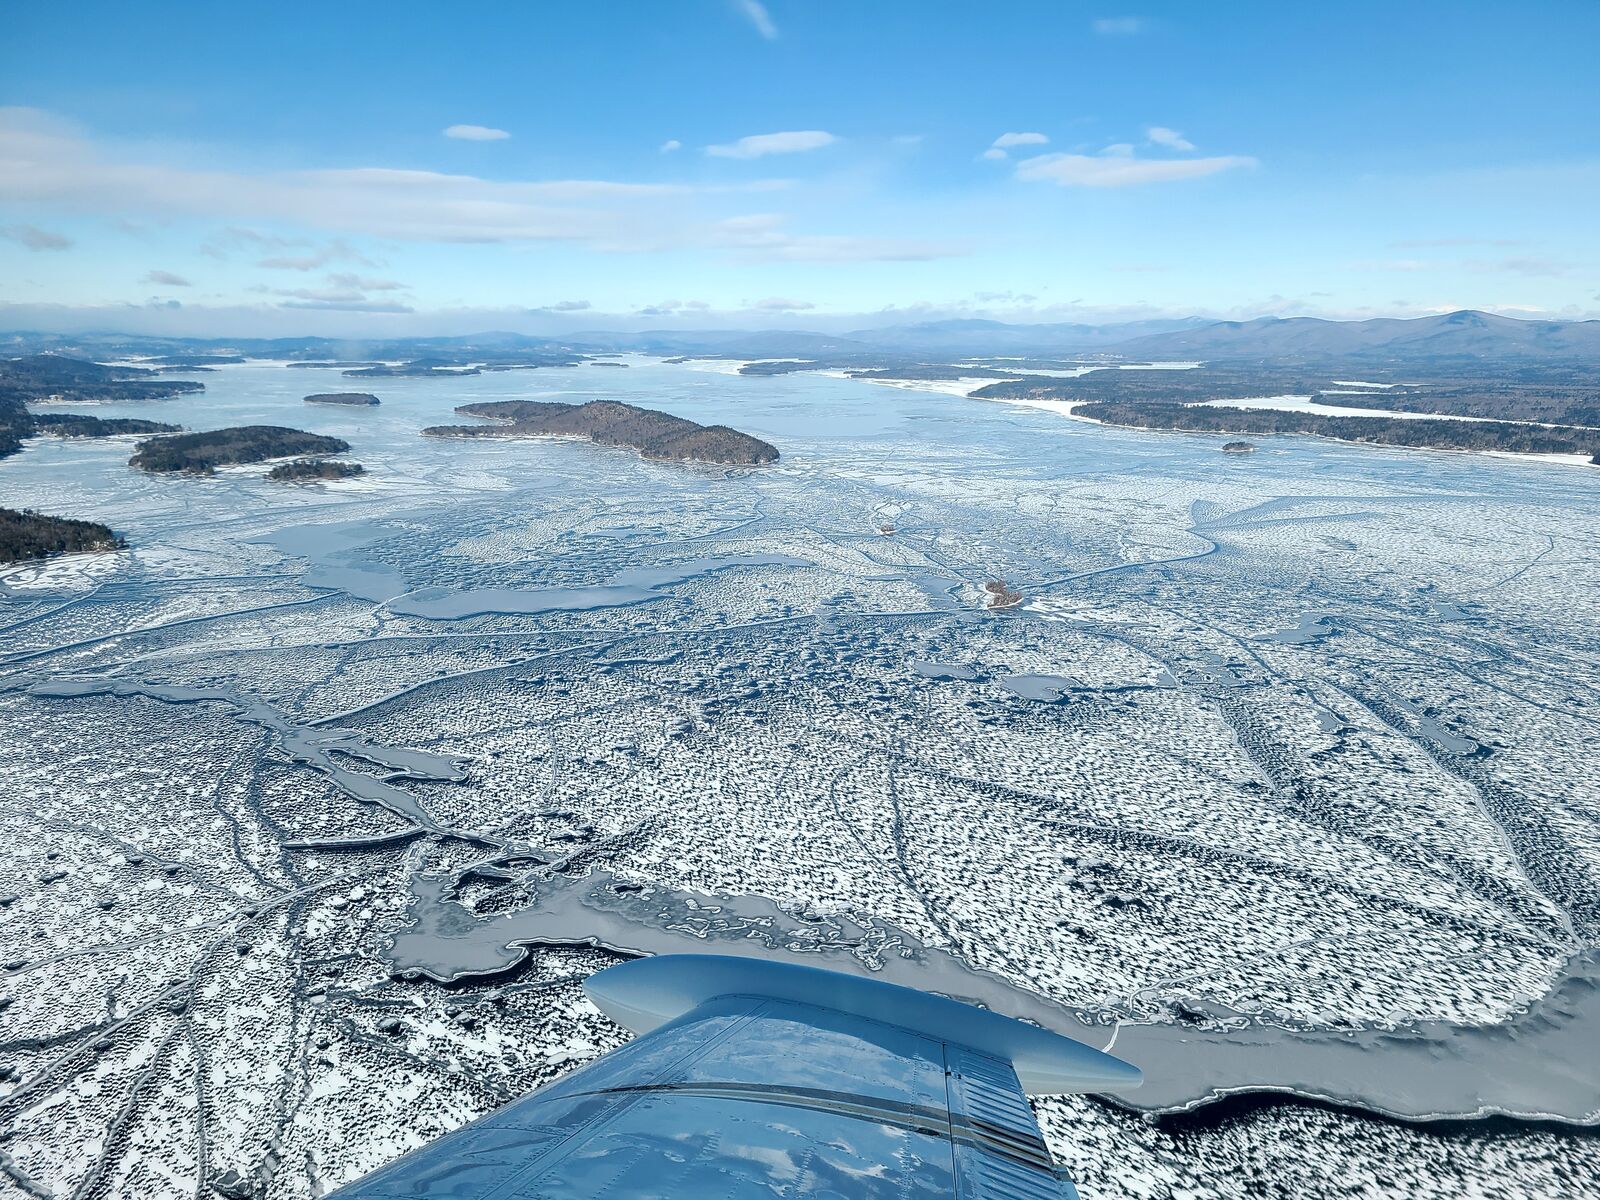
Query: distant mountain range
x=977 y=337
x=1465 y=335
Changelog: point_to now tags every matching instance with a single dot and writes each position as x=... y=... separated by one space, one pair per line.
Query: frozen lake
x=1281 y=773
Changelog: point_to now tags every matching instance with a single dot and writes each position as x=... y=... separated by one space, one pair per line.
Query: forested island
x=1436 y=434
x=356 y=399
x=314 y=470
x=26 y=534
x=422 y=368
x=653 y=434
x=202 y=453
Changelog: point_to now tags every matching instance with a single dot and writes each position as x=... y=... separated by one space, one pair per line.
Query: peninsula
x=653 y=434
x=78 y=425
x=26 y=534
x=55 y=378
x=1433 y=434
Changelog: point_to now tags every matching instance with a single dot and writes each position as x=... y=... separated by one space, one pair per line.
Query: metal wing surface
x=754 y=1079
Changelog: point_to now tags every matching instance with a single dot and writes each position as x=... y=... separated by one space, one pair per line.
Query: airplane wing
x=760 y=1079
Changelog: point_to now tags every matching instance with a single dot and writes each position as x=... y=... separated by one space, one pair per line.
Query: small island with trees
x=26 y=534
x=1238 y=447
x=314 y=470
x=202 y=453
x=652 y=433
x=353 y=399
x=421 y=368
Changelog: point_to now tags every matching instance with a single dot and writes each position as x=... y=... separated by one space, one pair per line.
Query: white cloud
x=993 y=154
x=360 y=306
x=761 y=144
x=781 y=304
x=756 y=13
x=366 y=283
x=1520 y=266
x=1119 y=26
x=1428 y=243
x=671 y=144
x=1538 y=267
x=262 y=213
x=166 y=279
x=1020 y=139
x=566 y=306
x=1160 y=135
x=34 y=238
x=761 y=236
x=1119 y=150
x=476 y=133
x=1119 y=170
x=49 y=164
x=337 y=250
x=332 y=295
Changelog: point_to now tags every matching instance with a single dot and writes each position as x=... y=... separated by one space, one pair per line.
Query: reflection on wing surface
x=754 y=1079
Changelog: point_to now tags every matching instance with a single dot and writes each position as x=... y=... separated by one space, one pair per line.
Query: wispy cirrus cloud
x=352 y=306
x=366 y=283
x=166 y=279
x=49 y=162
x=997 y=148
x=341 y=291
x=1119 y=26
x=34 y=238
x=1548 y=268
x=762 y=237
x=781 y=304
x=1160 y=135
x=760 y=145
x=1119 y=166
x=756 y=13
x=281 y=220
x=337 y=250
x=475 y=133
x=328 y=295
x=1427 y=243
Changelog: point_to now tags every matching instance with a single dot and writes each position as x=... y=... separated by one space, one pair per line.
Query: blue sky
x=286 y=168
